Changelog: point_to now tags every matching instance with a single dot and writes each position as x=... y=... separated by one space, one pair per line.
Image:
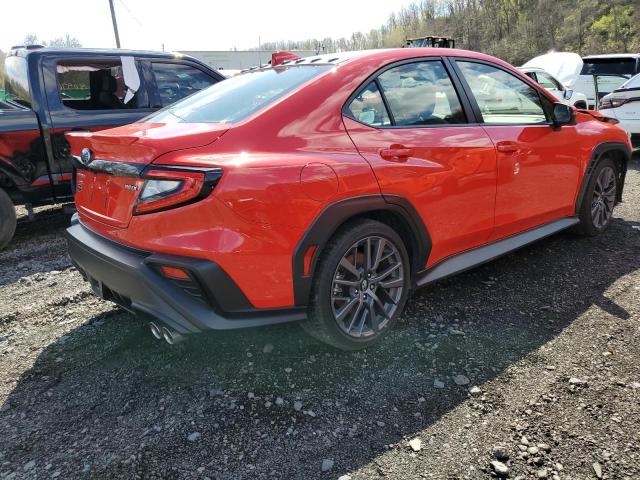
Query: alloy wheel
x=604 y=197
x=367 y=286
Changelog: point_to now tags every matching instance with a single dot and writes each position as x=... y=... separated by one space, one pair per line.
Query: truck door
x=23 y=167
x=88 y=93
x=24 y=172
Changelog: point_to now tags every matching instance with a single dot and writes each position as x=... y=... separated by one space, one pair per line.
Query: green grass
x=3 y=95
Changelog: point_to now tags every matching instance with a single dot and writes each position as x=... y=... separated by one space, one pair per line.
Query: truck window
x=17 y=81
x=96 y=86
x=176 y=81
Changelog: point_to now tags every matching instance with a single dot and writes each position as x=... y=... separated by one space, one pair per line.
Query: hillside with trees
x=515 y=30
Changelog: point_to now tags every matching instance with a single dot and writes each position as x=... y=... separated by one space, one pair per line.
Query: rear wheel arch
x=394 y=211
x=620 y=153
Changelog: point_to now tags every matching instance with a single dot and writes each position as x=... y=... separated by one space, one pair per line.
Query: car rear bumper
x=209 y=300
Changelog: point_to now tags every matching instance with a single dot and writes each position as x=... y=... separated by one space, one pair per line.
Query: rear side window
x=17 y=81
x=238 y=97
x=421 y=94
x=97 y=85
x=502 y=98
x=176 y=81
x=368 y=107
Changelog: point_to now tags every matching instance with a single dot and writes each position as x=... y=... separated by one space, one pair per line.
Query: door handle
x=396 y=153
x=507 y=147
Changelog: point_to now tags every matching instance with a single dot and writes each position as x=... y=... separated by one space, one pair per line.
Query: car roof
x=391 y=54
x=22 y=51
x=611 y=55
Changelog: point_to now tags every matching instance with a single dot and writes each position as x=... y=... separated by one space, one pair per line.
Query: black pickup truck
x=52 y=91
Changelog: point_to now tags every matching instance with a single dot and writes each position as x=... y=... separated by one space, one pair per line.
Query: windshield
x=238 y=97
x=17 y=80
x=609 y=66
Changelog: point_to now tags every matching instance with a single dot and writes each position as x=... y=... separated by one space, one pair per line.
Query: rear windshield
x=238 y=97
x=609 y=66
x=633 y=83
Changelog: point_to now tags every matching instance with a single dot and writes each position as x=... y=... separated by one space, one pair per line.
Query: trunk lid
x=108 y=187
x=143 y=142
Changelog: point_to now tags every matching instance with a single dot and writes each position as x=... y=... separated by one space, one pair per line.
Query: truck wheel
x=361 y=286
x=7 y=219
x=599 y=199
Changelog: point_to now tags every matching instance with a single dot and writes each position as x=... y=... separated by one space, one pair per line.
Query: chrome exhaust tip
x=172 y=337
x=155 y=330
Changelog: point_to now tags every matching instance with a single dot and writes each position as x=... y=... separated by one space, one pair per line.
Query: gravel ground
x=530 y=362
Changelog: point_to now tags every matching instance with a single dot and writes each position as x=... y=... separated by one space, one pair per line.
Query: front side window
x=238 y=97
x=502 y=97
x=548 y=82
x=97 y=85
x=176 y=81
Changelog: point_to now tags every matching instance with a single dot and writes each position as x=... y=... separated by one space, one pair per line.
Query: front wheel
x=7 y=219
x=599 y=199
x=361 y=286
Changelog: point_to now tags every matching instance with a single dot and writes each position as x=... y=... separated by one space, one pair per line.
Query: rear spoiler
x=599 y=116
x=279 y=57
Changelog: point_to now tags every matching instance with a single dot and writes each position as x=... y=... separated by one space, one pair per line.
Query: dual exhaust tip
x=170 y=336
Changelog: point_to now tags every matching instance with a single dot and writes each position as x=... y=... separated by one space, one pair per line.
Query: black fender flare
x=596 y=155
x=336 y=214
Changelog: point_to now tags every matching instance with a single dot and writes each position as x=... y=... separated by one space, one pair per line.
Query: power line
x=130 y=13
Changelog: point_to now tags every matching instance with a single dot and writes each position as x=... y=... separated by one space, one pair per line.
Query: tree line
x=515 y=30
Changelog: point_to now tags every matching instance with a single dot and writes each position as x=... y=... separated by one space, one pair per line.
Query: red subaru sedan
x=324 y=190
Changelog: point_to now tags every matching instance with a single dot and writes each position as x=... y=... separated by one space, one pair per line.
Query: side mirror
x=562 y=114
x=568 y=93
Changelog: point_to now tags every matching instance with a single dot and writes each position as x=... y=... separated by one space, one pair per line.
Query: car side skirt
x=477 y=256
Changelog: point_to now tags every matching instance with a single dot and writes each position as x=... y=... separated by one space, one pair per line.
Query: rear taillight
x=168 y=187
x=612 y=102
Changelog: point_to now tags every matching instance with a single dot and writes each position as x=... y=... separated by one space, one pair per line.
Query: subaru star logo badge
x=86 y=156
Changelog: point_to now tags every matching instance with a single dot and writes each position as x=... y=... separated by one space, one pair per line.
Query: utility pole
x=115 y=23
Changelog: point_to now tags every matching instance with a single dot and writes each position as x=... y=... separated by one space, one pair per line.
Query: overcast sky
x=191 y=24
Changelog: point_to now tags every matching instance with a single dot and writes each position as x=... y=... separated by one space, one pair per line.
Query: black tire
x=7 y=219
x=390 y=294
x=588 y=225
x=581 y=105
